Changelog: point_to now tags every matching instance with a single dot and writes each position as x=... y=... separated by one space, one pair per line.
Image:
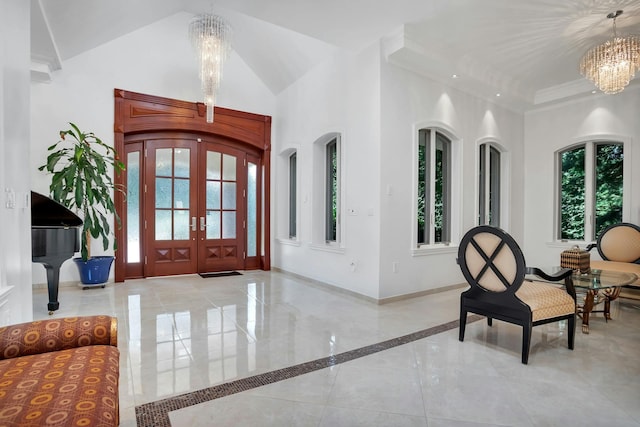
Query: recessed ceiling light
x=497 y=94
x=454 y=76
x=594 y=91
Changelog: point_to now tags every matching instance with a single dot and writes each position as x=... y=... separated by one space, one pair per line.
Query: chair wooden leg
x=572 y=331
x=526 y=342
x=463 y=324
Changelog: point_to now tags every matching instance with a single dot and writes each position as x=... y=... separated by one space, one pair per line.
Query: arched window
x=434 y=187
x=327 y=198
x=590 y=182
x=489 y=184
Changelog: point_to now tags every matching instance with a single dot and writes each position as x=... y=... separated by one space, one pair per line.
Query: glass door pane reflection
x=133 y=207
x=252 y=208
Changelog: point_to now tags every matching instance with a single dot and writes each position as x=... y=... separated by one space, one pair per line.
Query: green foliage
x=422 y=192
x=608 y=190
x=572 y=200
x=609 y=176
x=423 y=210
x=80 y=181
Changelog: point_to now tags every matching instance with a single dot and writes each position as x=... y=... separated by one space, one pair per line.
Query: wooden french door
x=194 y=205
x=222 y=218
x=170 y=201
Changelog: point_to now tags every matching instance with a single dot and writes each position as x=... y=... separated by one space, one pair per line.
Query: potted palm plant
x=80 y=165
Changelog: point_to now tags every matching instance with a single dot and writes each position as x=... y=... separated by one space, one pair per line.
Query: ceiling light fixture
x=210 y=37
x=612 y=64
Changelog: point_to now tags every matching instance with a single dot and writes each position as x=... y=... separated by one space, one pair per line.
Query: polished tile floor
x=184 y=337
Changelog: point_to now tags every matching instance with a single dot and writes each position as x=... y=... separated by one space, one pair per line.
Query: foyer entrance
x=196 y=193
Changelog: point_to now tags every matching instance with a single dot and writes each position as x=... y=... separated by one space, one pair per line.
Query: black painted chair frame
x=506 y=306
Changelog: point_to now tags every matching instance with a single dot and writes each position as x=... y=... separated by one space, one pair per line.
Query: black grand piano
x=54 y=239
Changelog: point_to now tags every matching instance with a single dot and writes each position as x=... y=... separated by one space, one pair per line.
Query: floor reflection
x=185 y=334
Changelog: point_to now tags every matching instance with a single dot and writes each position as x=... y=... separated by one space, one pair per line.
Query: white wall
x=15 y=221
x=341 y=95
x=377 y=106
x=410 y=101
x=156 y=60
x=548 y=130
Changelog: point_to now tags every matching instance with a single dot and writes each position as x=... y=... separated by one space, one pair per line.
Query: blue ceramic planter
x=95 y=270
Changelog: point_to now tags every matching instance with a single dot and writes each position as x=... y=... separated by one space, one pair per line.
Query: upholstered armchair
x=494 y=266
x=619 y=248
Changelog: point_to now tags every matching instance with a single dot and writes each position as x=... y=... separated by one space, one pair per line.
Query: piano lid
x=46 y=212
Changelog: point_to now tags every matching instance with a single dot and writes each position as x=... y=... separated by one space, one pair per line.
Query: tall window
x=331 y=191
x=293 y=168
x=591 y=189
x=489 y=186
x=434 y=187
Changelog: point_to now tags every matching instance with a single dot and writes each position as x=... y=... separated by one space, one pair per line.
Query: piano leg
x=53 y=277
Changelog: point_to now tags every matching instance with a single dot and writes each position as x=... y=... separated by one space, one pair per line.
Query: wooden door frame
x=140 y=113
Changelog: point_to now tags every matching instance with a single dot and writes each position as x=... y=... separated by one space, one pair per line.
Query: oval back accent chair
x=619 y=248
x=494 y=266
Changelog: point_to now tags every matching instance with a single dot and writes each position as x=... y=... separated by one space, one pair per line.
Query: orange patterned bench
x=61 y=372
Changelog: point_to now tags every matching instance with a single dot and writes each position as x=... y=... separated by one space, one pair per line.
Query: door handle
x=203 y=225
x=193 y=223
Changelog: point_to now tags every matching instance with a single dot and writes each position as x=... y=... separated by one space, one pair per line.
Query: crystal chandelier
x=211 y=39
x=612 y=64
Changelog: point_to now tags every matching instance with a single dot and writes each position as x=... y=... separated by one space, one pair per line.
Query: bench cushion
x=77 y=386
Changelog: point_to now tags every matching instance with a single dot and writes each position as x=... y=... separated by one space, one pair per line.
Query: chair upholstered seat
x=545 y=301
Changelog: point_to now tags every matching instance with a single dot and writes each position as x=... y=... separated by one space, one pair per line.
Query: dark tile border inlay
x=156 y=414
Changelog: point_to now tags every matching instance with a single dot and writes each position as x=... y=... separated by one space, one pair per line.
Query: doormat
x=220 y=274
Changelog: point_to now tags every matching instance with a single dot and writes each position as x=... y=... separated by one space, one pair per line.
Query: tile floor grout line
x=156 y=413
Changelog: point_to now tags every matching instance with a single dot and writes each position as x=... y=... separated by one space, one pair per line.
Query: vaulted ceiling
x=526 y=50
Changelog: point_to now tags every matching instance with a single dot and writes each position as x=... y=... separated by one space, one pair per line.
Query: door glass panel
x=133 y=207
x=221 y=195
x=163 y=193
x=164 y=161
x=213 y=225
x=181 y=225
x=213 y=165
x=213 y=195
x=182 y=162
x=228 y=195
x=172 y=197
x=163 y=225
x=228 y=167
x=181 y=193
x=228 y=225
x=251 y=209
